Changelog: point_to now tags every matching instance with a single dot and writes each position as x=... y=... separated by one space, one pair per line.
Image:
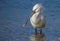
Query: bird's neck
x=38 y=13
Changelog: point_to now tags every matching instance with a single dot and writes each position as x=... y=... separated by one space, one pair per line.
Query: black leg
x=41 y=31
x=36 y=31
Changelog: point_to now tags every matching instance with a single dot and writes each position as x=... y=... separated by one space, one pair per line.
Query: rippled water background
x=14 y=12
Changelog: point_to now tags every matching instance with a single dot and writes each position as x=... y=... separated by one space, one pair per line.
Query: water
x=14 y=12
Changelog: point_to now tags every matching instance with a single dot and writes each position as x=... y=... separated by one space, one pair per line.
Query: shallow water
x=14 y=12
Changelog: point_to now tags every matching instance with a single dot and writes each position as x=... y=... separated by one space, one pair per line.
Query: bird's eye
x=33 y=12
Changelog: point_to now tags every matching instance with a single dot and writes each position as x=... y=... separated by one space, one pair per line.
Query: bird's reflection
x=38 y=37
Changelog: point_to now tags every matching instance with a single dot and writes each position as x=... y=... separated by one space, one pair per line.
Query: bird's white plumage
x=38 y=8
x=37 y=20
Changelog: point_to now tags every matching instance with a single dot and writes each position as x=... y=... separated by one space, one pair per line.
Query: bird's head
x=37 y=8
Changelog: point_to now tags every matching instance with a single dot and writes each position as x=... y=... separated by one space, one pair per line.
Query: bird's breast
x=35 y=19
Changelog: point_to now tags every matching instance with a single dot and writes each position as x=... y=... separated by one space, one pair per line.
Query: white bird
x=37 y=19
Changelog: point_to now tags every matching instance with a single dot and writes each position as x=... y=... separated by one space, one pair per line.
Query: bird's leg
x=36 y=31
x=41 y=31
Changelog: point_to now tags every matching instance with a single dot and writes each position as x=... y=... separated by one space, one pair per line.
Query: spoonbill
x=37 y=19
